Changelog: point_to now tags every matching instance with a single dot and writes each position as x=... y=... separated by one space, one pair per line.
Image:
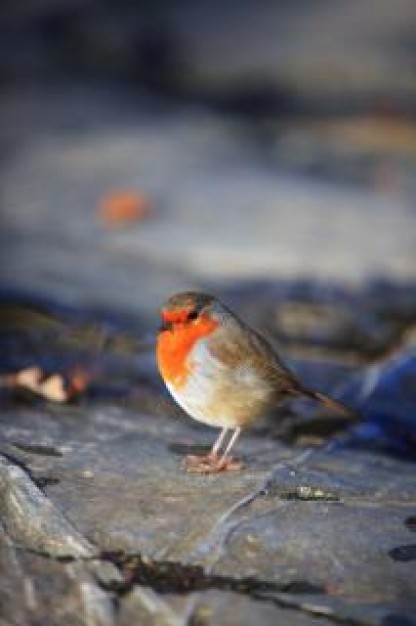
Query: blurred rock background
x=266 y=139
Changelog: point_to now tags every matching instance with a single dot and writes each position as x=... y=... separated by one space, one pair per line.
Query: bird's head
x=187 y=318
x=189 y=312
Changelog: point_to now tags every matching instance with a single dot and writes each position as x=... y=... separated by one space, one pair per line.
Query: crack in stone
x=37 y=449
x=175 y=577
x=166 y=577
x=216 y=541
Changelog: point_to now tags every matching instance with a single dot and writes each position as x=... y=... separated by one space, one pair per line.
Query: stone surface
x=40 y=590
x=216 y=608
x=31 y=519
x=325 y=529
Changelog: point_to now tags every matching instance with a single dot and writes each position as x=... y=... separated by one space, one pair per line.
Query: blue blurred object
x=386 y=399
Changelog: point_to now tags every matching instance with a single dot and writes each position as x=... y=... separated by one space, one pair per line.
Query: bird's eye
x=193 y=315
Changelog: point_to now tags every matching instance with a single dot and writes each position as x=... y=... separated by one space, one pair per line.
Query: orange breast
x=174 y=346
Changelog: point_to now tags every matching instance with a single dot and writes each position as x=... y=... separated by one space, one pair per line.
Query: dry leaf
x=52 y=387
x=28 y=378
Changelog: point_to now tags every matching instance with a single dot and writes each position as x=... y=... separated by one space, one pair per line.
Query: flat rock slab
x=327 y=532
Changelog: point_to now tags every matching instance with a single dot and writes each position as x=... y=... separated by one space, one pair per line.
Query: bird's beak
x=165 y=325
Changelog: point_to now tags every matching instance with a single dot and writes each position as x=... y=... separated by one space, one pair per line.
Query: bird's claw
x=211 y=464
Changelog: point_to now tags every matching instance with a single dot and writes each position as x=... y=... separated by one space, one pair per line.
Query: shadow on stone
x=404 y=553
x=410 y=523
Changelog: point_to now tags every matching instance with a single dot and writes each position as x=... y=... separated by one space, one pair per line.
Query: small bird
x=222 y=372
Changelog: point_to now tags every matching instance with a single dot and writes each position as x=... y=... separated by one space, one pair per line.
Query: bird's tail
x=332 y=405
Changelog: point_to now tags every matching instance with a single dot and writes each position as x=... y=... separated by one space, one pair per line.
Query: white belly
x=218 y=395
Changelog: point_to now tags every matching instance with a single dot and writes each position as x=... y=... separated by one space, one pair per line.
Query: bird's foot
x=211 y=464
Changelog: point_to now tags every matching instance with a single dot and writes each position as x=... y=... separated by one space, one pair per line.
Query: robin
x=222 y=372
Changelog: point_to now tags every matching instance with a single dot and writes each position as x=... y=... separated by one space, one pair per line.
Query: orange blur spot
x=119 y=207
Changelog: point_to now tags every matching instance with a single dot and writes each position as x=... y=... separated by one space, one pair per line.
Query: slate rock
x=314 y=527
x=31 y=519
x=39 y=590
x=216 y=608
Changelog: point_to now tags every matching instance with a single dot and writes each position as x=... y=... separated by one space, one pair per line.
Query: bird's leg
x=212 y=456
x=218 y=443
x=227 y=462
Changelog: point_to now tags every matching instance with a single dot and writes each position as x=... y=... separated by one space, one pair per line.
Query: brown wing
x=238 y=346
x=274 y=367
